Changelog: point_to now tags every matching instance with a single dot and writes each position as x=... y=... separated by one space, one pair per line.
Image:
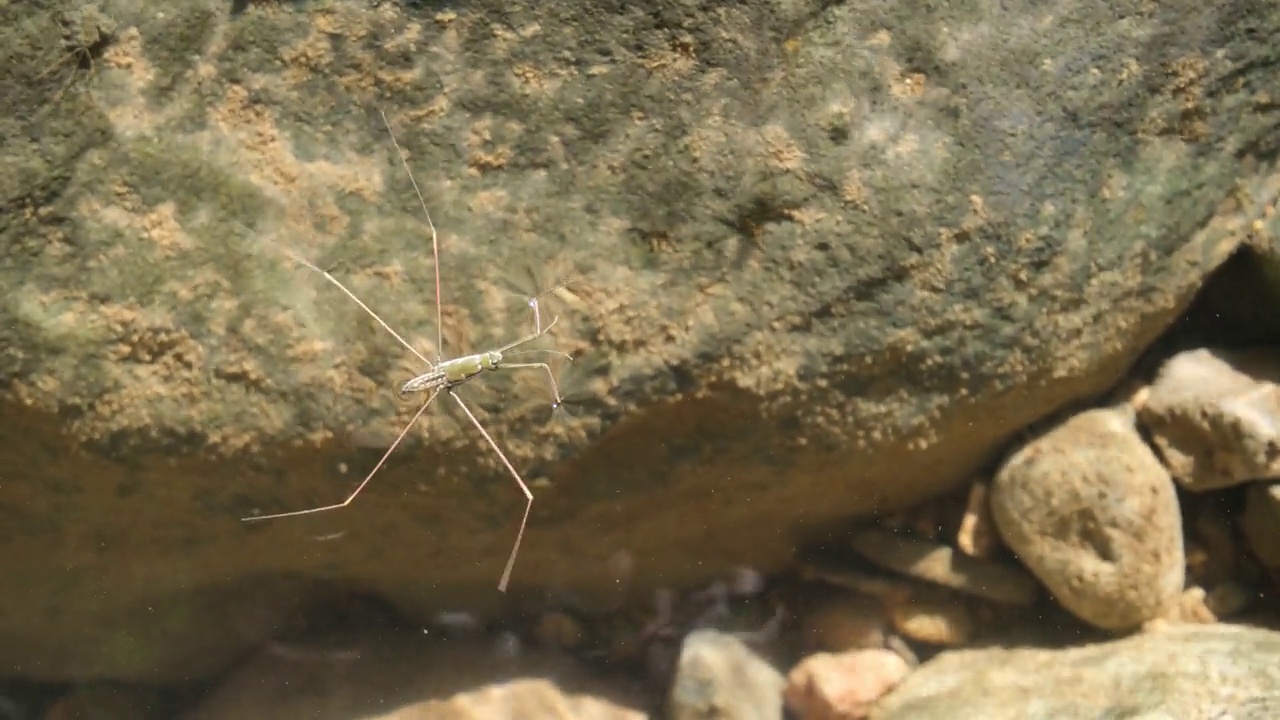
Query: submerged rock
x=1090 y=509
x=718 y=676
x=1192 y=671
x=1214 y=415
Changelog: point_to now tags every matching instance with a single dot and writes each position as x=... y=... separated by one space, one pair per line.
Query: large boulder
x=834 y=256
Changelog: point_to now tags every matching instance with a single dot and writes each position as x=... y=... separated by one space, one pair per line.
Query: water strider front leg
x=551 y=378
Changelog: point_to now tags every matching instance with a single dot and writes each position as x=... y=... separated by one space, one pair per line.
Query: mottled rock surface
x=1194 y=671
x=1092 y=512
x=1214 y=415
x=835 y=256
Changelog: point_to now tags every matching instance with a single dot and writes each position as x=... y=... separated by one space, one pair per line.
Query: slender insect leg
x=515 y=549
x=537 y=316
x=530 y=338
x=555 y=388
x=537 y=311
x=366 y=308
x=367 y=478
x=435 y=241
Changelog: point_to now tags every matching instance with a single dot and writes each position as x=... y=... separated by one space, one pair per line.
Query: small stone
x=977 y=536
x=1191 y=608
x=1198 y=605
x=942 y=565
x=1091 y=510
x=1136 y=393
x=718 y=676
x=1214 y=415
x=843 y=686
x=840 y=574
x=934 y=620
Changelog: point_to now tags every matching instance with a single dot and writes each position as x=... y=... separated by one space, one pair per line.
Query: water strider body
x=452 y=373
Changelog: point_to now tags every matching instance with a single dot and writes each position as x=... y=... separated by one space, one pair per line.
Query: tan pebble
x=977 y=536
x=942 y=565
x=1201 y=607
x=1090 y=509
x=842 y=687
x=889 y=589
x=845 y=623
x=937 y=621
x=1156 y=625
x=1137 y=394
x=1191 y=608
x=559 y=629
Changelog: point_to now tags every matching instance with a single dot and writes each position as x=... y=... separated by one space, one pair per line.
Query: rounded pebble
x=1090 y=509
